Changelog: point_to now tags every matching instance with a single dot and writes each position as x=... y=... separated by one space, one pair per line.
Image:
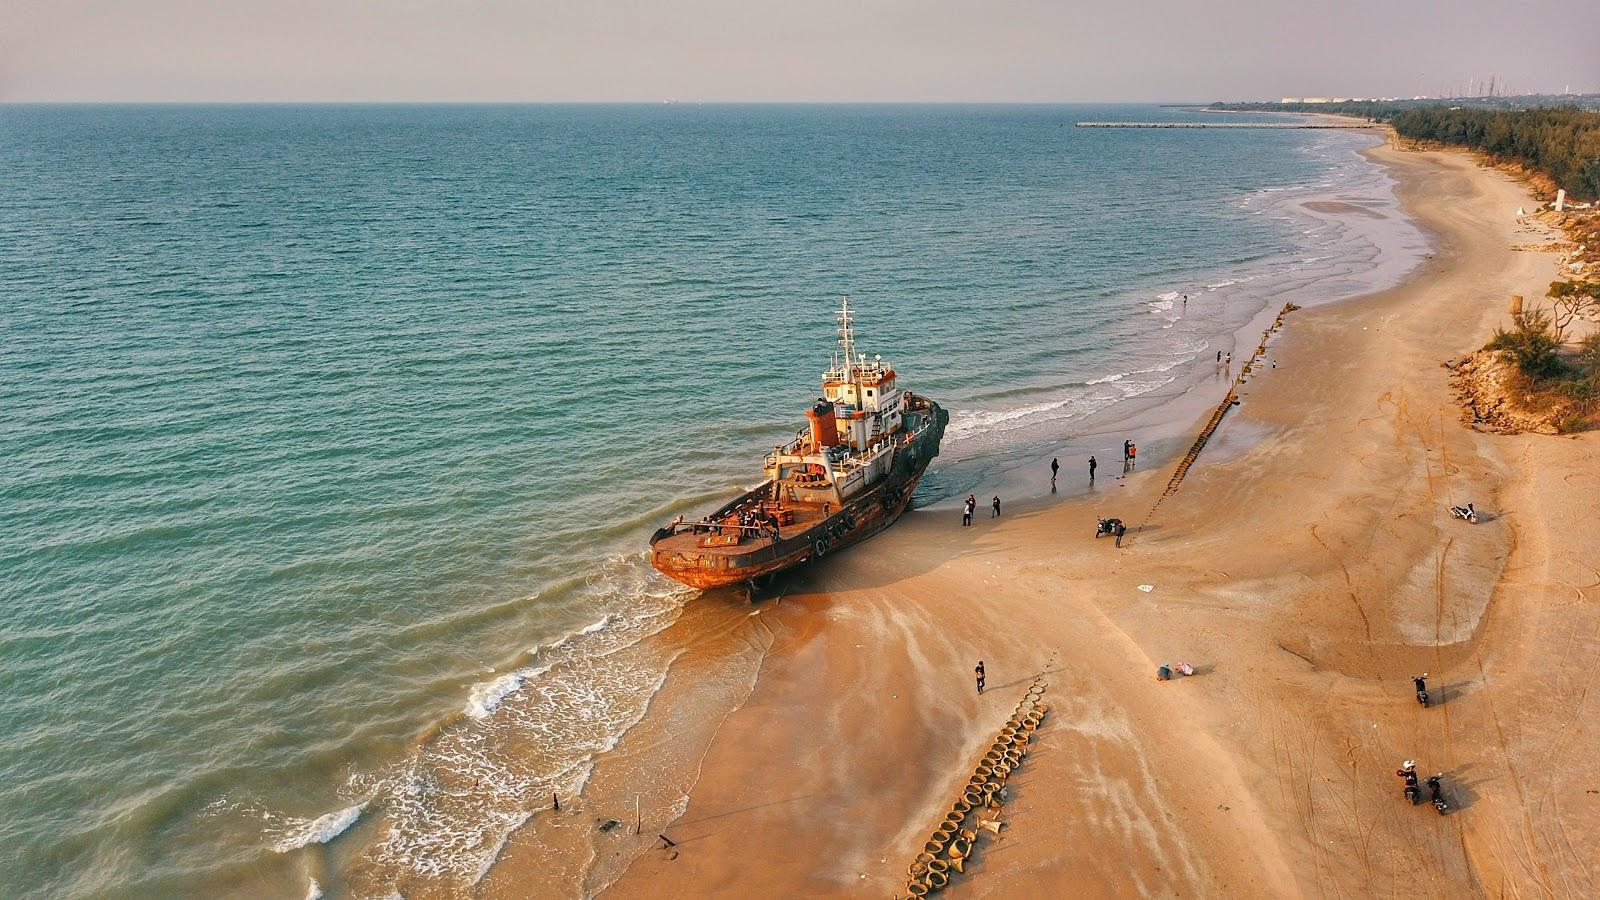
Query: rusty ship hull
x=681 y=550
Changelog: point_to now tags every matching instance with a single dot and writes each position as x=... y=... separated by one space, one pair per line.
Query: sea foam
x=320 y=830
x=487 y=696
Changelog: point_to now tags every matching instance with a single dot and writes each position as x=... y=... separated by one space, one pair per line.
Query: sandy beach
x=1306 y=567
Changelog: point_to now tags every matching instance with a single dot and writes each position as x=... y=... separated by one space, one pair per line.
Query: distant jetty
x=1228 y=125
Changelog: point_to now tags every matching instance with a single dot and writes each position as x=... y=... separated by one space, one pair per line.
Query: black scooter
x=1106 y=526
x=1437 y=795
x=1464 y=513
x=1421 y=683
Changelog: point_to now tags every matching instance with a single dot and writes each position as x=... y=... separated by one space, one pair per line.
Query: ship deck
x=689 y=539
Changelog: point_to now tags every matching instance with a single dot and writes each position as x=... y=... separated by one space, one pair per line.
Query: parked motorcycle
x=1437 y=795
x=1421 y=682
x=1465 y=513
x=1106 y=526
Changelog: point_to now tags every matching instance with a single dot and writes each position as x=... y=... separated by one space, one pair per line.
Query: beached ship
x=846 y=476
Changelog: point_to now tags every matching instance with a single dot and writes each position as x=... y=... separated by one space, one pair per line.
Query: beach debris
x=608 y=824
x=1147 y=588
x=1183 y=668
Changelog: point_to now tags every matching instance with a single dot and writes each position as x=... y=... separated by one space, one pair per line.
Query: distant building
x=1314 y=100
x=1290 y=100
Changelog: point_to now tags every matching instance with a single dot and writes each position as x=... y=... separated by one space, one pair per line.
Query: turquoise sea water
x=326 y=428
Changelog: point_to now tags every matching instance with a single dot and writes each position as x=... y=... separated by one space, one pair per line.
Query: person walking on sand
x=1133 y=456
x=1219 y=357
x=969 y=509
x=996 y=505
x=979 y=673
x=1119 y=531
x=1055 y=466
x=1092 y=465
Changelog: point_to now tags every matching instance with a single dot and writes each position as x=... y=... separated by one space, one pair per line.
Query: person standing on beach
x=1119 y=531
x=1092 y=465
x=966 y=513
x=1185 y=301
x=1055 y=466
x=1219 y=357
x=979 y=672
x=1133 y=455
x=996 y=505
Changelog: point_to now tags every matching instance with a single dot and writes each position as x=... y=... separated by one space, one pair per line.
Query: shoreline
x=1162 y=417
x=831 y=735
x=437 y=806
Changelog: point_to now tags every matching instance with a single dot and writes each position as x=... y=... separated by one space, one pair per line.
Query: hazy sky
x=921 y=50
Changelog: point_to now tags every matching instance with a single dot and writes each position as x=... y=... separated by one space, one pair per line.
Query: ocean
x=331 y=437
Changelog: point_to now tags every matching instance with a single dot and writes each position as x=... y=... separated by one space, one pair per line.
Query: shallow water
x=333 y=434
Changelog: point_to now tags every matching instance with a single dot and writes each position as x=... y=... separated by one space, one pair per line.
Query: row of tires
x=952 y=844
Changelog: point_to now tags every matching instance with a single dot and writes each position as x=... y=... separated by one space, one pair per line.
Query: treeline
x=1562 y=142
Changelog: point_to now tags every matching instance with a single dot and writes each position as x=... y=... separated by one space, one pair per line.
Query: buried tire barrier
x=984 y=791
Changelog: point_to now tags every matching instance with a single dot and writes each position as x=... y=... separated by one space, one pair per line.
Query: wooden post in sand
x=636 y=818
x=1516 y=304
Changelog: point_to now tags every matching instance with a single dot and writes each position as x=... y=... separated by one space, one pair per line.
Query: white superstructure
x=855 y=427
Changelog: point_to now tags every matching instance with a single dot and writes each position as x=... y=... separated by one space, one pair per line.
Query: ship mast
x=847 y=340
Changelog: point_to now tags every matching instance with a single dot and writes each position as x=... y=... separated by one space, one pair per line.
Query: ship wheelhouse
x=850 y=441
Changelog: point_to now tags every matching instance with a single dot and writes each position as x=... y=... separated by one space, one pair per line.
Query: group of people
x=748 y=521
x=1130 y=460
x=971 y=506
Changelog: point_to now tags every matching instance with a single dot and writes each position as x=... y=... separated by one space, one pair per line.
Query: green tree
x=1570 y=300
x=1532 y=343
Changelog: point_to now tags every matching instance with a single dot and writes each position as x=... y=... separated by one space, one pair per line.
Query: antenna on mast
x=847 y=339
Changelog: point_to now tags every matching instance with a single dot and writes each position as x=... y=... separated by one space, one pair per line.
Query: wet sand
x=1307 y=568
x=1332 y=206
